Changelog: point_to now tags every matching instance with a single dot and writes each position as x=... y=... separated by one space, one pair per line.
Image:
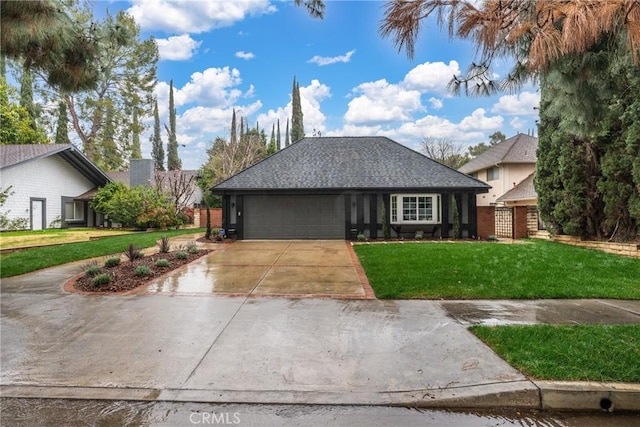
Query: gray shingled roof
x=321 y=163
x=517 y=149
x=525 y=190
x=13 y=155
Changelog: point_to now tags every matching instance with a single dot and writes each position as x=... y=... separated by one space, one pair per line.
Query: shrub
x=163 y=245
x=142 y=270
x=92 y=271
x=101 y=279
x=132 y=253
x=112 y=262
x=361 y=237
x=182 y=255
x=163 y=262
x=192 y=248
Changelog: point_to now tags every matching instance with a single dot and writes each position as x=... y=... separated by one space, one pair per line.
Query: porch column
x=445 y=215
x=373 y=216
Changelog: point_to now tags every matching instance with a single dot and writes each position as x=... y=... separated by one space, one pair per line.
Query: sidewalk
x=278 y=350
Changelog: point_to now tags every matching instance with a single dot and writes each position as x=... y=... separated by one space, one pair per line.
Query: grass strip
x=473 y=270
x=568 y=353
x=28 y=260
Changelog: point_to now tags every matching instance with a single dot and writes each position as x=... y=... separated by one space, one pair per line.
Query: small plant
x=361 y=237
x=132 y=253
x=492 y=238
x=419 y=235
x=142 y=270
x=101 y=280
x=112 y=262
x=182 y=255
x=163 y=262
x=218 y=237
x=163 y=245
x=192 y=248
x=93 y=271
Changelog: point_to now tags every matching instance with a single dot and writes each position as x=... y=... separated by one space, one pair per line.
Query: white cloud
x=245 y=55
x=188 y=16
x=211 y=87
x=177 y=48
x=436 y=103
x=431 y=77
x=478 y=121
x=328 y=60
x=382 y=102
x=517 y=123
x=520 y=104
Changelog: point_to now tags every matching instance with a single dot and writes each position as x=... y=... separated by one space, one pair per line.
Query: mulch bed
x=124 y=278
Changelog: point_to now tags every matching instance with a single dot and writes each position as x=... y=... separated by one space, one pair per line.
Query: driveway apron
x=271 y=268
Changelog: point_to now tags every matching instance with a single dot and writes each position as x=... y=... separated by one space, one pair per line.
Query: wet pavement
x=275 y=268
x=194 y=337
x=30 y=412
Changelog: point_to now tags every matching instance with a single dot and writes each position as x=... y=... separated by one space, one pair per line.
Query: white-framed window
x=74 y=211
x=493 y=173
x=415 y=209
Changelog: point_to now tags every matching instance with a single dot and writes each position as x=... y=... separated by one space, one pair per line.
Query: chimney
x=140 y=172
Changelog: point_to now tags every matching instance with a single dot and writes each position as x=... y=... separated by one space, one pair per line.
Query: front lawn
x=476 y=270
x=25 y=261
x=16 y=239
x=568 y=353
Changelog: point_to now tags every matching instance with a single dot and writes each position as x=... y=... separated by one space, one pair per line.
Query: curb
x=589 y=396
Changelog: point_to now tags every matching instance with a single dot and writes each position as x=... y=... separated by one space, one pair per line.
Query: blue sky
x=244 y=55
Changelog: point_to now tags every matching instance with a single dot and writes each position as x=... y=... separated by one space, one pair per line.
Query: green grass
x=472 y=270
x=28 y=260
x=568 y=353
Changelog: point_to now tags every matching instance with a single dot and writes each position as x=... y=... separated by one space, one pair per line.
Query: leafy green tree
x=173 y=160
x=127 y=68
x=445 y=151
x=110 y=158
x=62 y=132
x=297 y=126
x=494 y=138
x=136 y=128
x=157 y=149
x=15 y=122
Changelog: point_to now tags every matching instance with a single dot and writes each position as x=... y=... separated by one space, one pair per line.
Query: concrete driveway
x=318 y=268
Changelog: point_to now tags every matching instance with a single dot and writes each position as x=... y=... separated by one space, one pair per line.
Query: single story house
x=51 y=184
x=339 y=187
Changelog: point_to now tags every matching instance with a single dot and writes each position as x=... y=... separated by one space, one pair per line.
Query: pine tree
x=62 y=133
x=286 y=135
x=136 y=151
x=110 y=158
x=26 y=96
x=173 y=160
x=297 y=126
x=157 y=149
x=278 y=142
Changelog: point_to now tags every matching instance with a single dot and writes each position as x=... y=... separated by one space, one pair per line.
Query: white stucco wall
x=510 y=175
x=48 y=178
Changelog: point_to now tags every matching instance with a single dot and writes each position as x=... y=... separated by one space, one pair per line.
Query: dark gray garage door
x=294 y=217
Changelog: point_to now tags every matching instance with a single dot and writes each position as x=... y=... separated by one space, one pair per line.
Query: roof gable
x=517 y=149
x=319 y=163
x=14 y=155
x=525 y=190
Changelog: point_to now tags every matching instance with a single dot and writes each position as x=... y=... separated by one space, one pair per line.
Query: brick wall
x=486 y=222
x=200 y=217
x=520 y=230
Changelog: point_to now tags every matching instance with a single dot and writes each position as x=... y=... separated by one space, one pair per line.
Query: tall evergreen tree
x=26 y=96
x=62 y=132
x=286 y=135
x=136 y=150
x=297 y=126
x=157 y=149
x=234 y=129
x=272 y=141
x=278 y=140
x=173 y=160
x=110 y=158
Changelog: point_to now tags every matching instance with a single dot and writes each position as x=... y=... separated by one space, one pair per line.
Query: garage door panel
x=294 y=217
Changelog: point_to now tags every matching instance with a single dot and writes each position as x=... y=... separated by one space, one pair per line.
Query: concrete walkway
x=177 y=347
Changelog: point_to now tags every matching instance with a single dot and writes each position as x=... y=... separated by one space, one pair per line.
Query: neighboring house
x=509 y=168
x=336 y=188
x=503 y=166
x=51 y=185
x=181 y=183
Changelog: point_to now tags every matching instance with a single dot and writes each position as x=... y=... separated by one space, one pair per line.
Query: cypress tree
x=26 y=96
x=278 y=142
x=62 y=133
x=173 y=160
x=297 y=126
x=286 y=135
x=234 y=130
x=136 y=151
x=157 y=150
x=272 y=142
